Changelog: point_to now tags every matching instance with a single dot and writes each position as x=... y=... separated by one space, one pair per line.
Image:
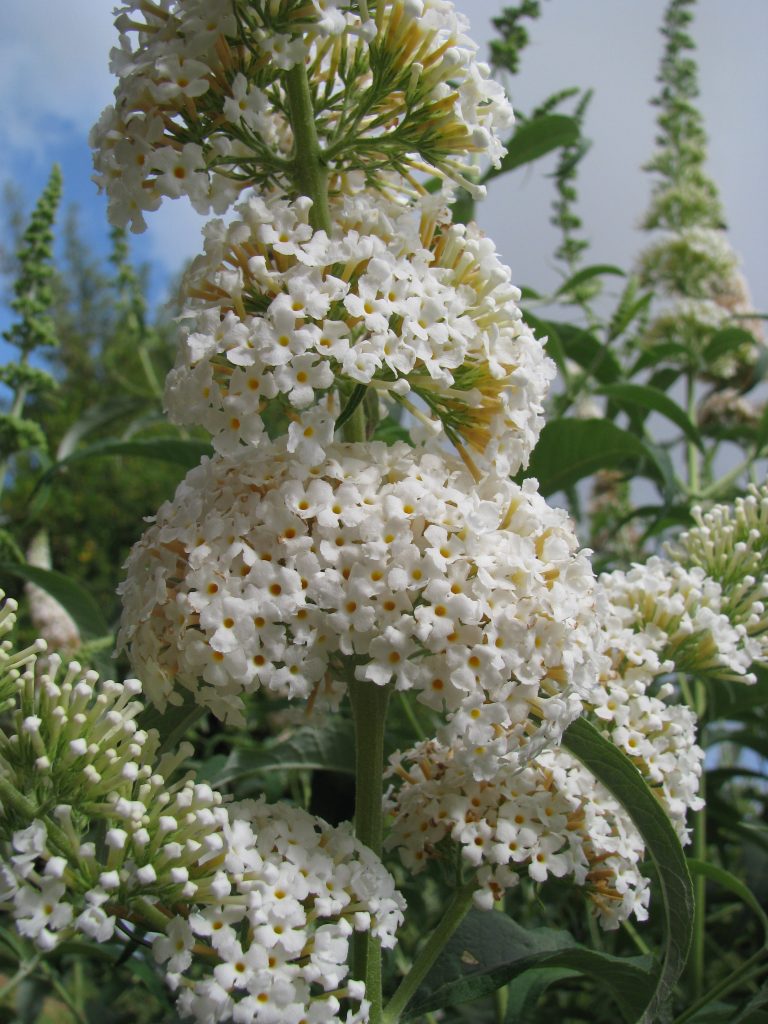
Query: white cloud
x=54 y=74
x=174 y=233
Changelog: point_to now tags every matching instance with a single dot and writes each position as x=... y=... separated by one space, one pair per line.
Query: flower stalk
x=369 y=711
x=309 y=170
x=454 y=914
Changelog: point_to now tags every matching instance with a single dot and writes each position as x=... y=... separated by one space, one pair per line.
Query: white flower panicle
x=202 y=106
x=679 y=615
x=266 y=572
x=279 y=938
x=550 y=819
x=554 y=817
x=730 y=544
x=396 y=299
x=698 y=270
x=252 y=906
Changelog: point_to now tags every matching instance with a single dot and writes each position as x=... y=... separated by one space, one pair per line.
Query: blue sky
x=54 y=81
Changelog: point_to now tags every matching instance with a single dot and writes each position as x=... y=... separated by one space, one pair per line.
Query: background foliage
x=653 y=386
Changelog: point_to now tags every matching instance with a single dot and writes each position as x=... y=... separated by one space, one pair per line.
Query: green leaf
x=588 y=351
x=72 y=596
x=761 y=436
x=489 y=949
x=186 y=453
x=570 y=449
x=655 y=401
x=353 y=401
x=581 y=276
x=617 y=773
x=331 y=748
x=751 y=1014
x=94 y=419
x=525 y=991
x=727 y=340
x=390 y=431
x=658 y=354
x=174 y=722
x=728 y=881
x=629 y=307
x=534 y=139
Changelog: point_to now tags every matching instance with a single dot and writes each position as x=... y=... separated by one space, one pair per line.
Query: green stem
x=412 y=717
x=455 y=913
x=636 y=937
x=356 y=427
x=700 y=882
x=310 y=172
x=17 y=408
x=23 y=972
x=369 y=711
x=743 y=974
x=694 y=477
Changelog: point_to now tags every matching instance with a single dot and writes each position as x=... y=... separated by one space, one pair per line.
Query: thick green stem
x=17 y=408
x=369 y=710
x=310 y=174
x=694 y=476
x=454 y=914
x=700 y=852
x=356 y=427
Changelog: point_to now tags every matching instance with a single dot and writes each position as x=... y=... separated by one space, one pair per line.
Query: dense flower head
x=553 y=817
x=679 y=617
x=730 y=544
x=698 y=271
x=250 y=906
x=202 y=106
x=265 y=571
x=396 y=299
x=550 y=819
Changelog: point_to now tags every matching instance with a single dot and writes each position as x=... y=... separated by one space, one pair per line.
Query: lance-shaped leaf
x=588 y=351
x=331 y=748
x=489 y=949
x=587 y=274
x=570 y=449
x=184 y=452
x=617 y=773
x=534 y=139
x=72 y=596
x=633 y=396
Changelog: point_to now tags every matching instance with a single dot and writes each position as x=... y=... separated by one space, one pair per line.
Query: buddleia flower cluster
x=250 y=907
x=553 y=817
x=691 y=263
x=729 y=542
x=204 y=102
x=267 y=572
x=309 y=561
x=680 y=614
x=397 y=299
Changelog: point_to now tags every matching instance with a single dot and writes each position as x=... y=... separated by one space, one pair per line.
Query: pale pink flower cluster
x=395 y=299
x=268 y=572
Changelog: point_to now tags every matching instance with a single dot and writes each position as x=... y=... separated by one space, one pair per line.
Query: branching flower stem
x=369 y=710
x=454 y=914
x=309 y=169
